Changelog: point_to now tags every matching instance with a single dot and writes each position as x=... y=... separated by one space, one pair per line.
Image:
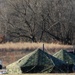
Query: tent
x=37 y=61
x=67 y=57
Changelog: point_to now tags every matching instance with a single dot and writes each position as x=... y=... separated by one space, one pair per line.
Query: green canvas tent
x=37 y=61
x=68 y=58
x=65 y=56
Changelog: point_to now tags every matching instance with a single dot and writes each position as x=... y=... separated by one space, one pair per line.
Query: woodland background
x=38 y=20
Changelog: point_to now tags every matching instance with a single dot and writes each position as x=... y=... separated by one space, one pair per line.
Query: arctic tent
x=37 y=61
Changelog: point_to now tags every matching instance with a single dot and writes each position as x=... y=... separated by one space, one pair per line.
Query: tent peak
x=39 y=49
x=62 y=50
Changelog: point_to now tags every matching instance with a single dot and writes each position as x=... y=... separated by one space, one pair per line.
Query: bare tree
x=42 y=21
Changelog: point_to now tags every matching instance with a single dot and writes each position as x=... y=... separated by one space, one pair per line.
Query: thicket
x=39 y=20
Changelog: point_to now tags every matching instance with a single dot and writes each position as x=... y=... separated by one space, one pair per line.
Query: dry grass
x=11 y=52
x=24 y=45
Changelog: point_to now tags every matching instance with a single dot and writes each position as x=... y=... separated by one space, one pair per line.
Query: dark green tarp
x=37 y=61
x=65 y=56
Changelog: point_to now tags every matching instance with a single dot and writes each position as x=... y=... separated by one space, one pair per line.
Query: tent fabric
x=37 y=61
x=65 y=56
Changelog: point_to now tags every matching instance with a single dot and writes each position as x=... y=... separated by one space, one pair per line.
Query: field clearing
x=29 y=45
x=11 y=52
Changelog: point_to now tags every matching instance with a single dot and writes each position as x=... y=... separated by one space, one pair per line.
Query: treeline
x=39 y=20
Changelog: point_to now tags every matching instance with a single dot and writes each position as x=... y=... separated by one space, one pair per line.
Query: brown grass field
x=24 y=45
x=10 y=52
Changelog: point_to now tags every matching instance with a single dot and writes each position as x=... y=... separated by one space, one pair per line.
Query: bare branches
x=41 y=20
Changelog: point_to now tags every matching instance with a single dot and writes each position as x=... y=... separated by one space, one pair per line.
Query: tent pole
x=43 y=46
x=74 y=48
